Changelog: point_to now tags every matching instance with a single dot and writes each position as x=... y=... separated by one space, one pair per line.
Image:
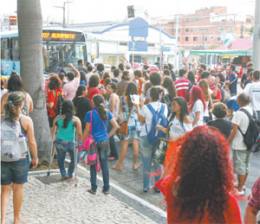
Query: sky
x=104 y=10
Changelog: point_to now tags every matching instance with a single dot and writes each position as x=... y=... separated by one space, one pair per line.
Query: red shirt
x=92 y=91
x=217 y=95
x=52 y=97
x=231 y=214
x=182 y=87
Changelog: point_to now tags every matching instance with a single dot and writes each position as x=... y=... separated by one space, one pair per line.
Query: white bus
x=60 y=47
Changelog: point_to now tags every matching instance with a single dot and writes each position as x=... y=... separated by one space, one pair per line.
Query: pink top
x=70 y=88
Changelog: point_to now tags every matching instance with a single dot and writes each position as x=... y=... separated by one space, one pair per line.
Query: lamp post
x=256 y=45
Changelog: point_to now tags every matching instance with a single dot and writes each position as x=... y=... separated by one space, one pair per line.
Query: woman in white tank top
x=179 y=122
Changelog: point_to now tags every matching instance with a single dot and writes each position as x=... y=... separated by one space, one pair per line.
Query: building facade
x=207 y=28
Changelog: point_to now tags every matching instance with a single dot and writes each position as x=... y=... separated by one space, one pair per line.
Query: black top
x=224 y=126
x=82 y=106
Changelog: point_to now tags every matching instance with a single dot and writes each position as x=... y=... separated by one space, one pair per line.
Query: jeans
x=102 y=150
x=149 y=170
x=62 y=148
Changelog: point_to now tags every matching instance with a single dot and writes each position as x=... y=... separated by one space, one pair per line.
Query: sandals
x=117 y=168
x=136 y=166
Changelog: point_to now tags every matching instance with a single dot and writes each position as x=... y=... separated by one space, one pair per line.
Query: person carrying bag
x=96 y=124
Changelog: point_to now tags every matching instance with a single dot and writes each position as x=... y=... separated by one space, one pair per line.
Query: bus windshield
x=58 y=54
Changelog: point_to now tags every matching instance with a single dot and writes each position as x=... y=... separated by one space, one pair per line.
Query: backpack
x=13 y=141
x=158 y=117
x=252 y=132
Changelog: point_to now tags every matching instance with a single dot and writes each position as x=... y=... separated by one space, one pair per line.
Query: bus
x=60 y=47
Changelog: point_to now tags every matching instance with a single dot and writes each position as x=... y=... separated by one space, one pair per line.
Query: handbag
x=123 y=129
x=92 y=155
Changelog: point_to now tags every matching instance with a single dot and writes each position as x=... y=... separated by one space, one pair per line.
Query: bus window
x=15 y=49
x=5 y=50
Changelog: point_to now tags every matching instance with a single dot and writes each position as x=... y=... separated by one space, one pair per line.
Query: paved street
x=132 y=180
x=63 y=203
x=48 y=200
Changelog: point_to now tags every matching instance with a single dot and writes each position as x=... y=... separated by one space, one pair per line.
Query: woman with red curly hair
x=197 y=106
x=197 y=189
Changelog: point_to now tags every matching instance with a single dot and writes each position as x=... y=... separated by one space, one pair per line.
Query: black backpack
x=252 y=132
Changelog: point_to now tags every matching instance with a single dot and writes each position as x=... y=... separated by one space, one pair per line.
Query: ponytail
x=99 y=104
x=14 y=101
x=67 y=111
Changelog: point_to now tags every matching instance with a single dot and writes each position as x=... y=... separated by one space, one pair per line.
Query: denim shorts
x=132 y=134
x=14 y=172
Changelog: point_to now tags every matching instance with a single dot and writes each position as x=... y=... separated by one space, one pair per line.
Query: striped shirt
x=182 y=86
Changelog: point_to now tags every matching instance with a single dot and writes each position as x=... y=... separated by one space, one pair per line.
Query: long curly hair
x=203 y=175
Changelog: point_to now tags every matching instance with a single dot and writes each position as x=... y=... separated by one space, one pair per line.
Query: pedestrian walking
x=220 y=120
x=54 y=98
x=240 y=124
x=66 y=132
x=14 y=83
x=96 y=125
x=146 y=115
x=179 y=121
x=114 y=104
x=128 y=119
x=15 y=128
x=72 y=84
x=82 y=104
x=253 y=91
x=197 y=106
x=202 y=173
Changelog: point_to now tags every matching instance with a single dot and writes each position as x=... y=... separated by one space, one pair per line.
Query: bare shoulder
x=28 y=96
x=26 y=121
x=187 y=120
x=4 y=97
x=76 y=119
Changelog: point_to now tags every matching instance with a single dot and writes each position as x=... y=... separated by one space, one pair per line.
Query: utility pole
x=63 y=13
x=256 y=45
x=177 y=43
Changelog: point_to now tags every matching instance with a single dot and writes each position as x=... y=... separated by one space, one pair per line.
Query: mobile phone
x=135 y=99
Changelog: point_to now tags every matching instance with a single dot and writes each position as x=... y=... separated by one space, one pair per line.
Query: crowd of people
x=199 y=115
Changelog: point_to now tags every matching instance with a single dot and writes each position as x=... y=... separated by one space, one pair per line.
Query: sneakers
x=145 y=190
x=92 y=191
x=106 y=192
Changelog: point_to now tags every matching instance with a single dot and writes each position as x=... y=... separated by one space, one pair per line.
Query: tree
x=30 y=46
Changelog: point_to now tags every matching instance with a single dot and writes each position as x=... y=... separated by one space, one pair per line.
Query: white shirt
x=253 y=91
x=242 y=120
x=70 y=88
x=177 y=129
x=198 y=107
x=147 y=114
x=206 y=111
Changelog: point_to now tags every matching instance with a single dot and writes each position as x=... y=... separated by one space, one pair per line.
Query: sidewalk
x=64 y=203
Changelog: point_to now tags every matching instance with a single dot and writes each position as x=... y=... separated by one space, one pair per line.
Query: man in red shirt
x=182 y=84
